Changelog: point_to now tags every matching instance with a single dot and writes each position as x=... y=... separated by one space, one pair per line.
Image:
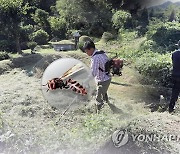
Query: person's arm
x=93 y=72
x=95 y=66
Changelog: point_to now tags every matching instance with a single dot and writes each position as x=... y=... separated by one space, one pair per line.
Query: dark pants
x=175 y=92
x=102 y=89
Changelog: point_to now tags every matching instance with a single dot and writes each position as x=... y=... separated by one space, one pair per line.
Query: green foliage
x=93 y=125
x=9 y=4
x=155 y=66
x=3 y=56
x=58 y=27
x=166 y=35
x=40 y=37
x=107 y=36
x=4 y=45
x=120 y=18
x=26 y=31
x=150 y=45
x=154 y=25
x=127 y=35
x=93 y=16
x=32 y=45
x=11 y=14
x=172 y=16
x=40 y=17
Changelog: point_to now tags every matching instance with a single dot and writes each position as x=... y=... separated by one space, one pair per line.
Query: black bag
x=108 y=65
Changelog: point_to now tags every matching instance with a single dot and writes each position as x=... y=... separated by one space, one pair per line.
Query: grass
x=81 y=130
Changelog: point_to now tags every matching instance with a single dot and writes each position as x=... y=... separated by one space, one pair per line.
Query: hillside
x=30 y=122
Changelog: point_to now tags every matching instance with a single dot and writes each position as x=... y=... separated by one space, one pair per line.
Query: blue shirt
x=176 y=63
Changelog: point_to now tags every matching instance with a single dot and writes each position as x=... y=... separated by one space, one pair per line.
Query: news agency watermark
x=121 y=137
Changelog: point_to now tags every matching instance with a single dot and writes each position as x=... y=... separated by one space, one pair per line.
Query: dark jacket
x=176 y=63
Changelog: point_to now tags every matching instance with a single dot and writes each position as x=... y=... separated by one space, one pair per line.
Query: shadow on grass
x=121 y=84
x=27 y=60
x=115 y=109
x=152 y=99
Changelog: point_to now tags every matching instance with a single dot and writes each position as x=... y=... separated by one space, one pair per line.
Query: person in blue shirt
x=176 y=78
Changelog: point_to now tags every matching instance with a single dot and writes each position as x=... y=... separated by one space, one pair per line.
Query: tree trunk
x=18 y=47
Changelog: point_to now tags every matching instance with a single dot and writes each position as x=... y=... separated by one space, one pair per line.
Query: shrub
x=32 y=45
x=26 y=31
x=40 y=37
x=127 y=35
x=96 y=29
x=120 y=19
x=4 y=45
x=165 y=35
x=156 y=67
x=150 y=45
x=58 y=27
x=4 y=55
x=107 y=36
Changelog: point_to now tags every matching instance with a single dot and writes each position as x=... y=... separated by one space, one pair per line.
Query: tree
x=41 y=19
x=172 y=16
x=120 y=18
x=88 y=15
x=58 y=27
x=11 y=13
x=152 y=13
x=40 y=37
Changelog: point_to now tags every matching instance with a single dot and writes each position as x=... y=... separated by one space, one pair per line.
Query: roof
x=63 y=42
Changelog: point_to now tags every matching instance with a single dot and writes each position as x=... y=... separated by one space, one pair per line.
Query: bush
x=26 y=31
x=120 y=19
x=156 y=67
x=40 y=37
x=127 y=35
x=107 y=36
x=32 y=45
x=3 y=56
x=96 y=29
x=150 y=45
x=4 y=45
x=58 y=27
x=165 y=35
x=8 y=46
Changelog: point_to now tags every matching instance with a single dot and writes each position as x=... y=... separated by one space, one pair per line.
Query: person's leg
x=174 y=96
x=105 y=89
x=99 y=94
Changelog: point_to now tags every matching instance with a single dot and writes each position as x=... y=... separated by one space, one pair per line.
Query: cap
x=87 y=45
x=178 y=44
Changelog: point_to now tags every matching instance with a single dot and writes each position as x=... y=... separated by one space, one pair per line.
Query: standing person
x=102 y=78
x=76 y=36
x=176 y=78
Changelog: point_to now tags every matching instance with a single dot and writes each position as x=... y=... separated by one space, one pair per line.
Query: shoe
x=171 y=110
x=100 y=106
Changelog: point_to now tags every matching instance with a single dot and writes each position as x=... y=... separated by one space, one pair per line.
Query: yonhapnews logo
x=121 y=137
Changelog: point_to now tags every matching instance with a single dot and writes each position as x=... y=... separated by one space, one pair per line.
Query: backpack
x=108 y=65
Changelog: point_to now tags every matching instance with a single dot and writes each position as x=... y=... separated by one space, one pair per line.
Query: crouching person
x=102 y=78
